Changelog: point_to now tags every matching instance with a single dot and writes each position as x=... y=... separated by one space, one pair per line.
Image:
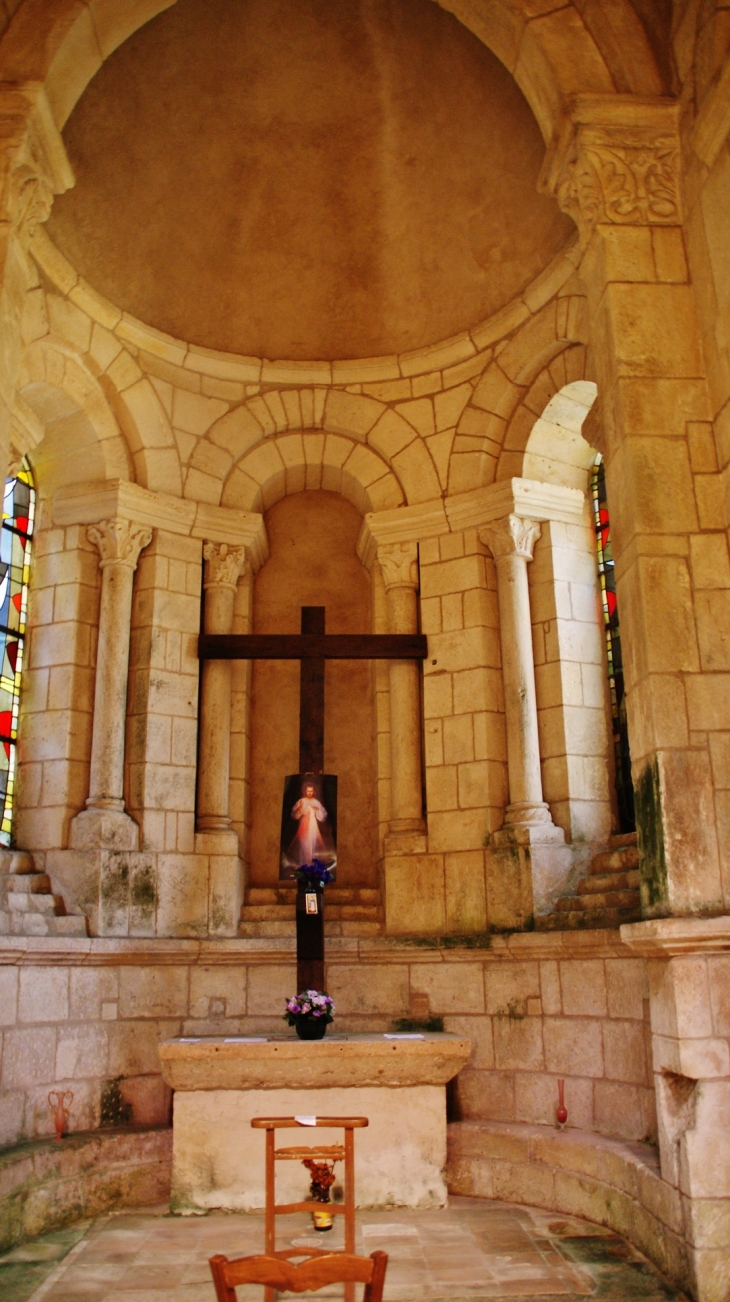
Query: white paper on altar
x=245 y=1039
x=410 y=1035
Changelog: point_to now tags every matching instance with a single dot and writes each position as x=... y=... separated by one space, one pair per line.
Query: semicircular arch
x=67 y=427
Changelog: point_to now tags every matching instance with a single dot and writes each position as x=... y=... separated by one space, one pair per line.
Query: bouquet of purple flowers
x=315 y=875
x=312 y=1004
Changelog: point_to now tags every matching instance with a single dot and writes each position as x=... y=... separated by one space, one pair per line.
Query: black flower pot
x=311 y=1028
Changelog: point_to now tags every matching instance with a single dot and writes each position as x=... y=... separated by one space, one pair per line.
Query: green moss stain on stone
x=115 y=882
x=114 y=1110
x=650 y=836
x=143 y=893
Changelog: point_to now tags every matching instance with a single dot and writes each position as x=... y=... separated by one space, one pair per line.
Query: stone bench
x=45 y=1185
x=578 y=1173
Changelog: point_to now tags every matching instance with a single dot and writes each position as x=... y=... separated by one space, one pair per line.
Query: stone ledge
x=45 y=1185
x=112 y=951
x=578 y=1173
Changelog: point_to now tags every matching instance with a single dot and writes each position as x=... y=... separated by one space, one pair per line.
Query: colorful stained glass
x=606 y=574
x=15 y=546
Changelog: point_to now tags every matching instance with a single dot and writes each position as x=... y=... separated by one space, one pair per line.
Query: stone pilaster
x=399 y=566
x=615 y=167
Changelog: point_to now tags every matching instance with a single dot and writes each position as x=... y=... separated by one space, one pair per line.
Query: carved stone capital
x=33 y=162
x=399 y=564
x=512 y=536
x=119 y=541
x=616 y=163
x=223 y=564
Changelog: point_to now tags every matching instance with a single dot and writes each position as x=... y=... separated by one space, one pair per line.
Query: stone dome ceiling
x=306 y=178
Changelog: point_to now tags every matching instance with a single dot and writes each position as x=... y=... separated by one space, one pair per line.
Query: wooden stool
x=327 y=1152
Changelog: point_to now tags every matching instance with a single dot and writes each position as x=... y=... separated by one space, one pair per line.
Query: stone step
x=38 y=883
x=256 y=895
x=271 y=930
x=16 y=862
x=287 y=912
x=45 y=924
x=587 y=919
x=28 y=902
x=620 y=859
x=598 y=900
x=599 y=882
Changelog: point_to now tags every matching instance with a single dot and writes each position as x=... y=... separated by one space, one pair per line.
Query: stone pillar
x=223 y=566
x=511 y=542
x=399 y=565
x=120 y=543
x=529 y=863
x=615 y=167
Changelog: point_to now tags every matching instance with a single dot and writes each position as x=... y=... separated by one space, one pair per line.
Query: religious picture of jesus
x=308 y=822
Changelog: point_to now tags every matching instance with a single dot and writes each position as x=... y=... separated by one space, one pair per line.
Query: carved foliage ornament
x=399 y=563
x=33 y=163
x=512 y=536
x=620 y=178
x=223 y=564
x=119 y=541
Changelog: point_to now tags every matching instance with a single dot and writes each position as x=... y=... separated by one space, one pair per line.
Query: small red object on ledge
x=60 y=1107
x=561 y=1112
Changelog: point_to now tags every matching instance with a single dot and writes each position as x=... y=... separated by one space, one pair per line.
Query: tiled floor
x=472 y=1250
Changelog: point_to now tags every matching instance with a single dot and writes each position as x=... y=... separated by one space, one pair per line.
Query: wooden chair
x=317 y=1271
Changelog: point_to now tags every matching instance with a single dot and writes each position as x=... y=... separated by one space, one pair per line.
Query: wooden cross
x=311 y=648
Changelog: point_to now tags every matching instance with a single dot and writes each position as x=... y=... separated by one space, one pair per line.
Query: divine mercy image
x=308 y=822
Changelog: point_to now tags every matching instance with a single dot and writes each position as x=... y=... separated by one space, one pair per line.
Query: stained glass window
x=606 y=574
x=15 y=543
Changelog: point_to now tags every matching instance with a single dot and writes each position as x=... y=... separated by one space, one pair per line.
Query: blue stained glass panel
x=15 y=547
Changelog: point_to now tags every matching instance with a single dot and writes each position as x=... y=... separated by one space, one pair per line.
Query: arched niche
x=312 y=562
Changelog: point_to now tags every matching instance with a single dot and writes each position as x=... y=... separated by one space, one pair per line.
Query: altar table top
x=286 y=1062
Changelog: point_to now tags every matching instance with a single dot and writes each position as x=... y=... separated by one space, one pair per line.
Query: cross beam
x=312 y=646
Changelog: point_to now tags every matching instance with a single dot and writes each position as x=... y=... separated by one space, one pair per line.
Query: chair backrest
x=316 y=1272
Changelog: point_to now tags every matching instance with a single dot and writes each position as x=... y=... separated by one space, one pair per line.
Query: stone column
x=511 y=542
x=399 y=565
x=223 y=566
x=120 y=543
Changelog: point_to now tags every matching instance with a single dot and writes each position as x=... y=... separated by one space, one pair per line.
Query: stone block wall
x=89 y=1017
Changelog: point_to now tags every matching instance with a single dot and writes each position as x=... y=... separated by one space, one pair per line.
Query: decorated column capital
x=616 y=161
x=119 y=541
x=33 y=162
x=511 y=536
x=224 y=564
x=399 y=564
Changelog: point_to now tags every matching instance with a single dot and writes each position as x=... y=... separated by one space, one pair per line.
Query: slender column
x=120 y=543
x=511 y=543
x=399 y=564
x=223 y=566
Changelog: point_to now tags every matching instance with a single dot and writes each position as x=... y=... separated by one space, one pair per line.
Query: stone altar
x=398 y=1083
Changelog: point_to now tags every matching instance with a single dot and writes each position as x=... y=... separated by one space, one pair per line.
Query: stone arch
x=568 y=368
x=484 y=432
x=273 y=441
x=63 y=421
x=557 y=452
x=289 y=463
x=552 y=56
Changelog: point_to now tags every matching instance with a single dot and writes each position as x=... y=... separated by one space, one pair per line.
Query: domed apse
x=303 y=179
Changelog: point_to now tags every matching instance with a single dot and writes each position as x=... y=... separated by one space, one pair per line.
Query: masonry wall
x=89 y=1017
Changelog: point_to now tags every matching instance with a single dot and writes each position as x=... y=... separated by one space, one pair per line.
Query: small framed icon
x=311 y=902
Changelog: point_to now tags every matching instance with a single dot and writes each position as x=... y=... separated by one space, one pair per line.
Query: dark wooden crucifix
x=311 y=648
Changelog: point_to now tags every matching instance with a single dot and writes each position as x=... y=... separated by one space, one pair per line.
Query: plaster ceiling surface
x=306 y=178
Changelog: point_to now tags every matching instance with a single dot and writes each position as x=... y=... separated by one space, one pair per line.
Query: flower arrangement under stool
x=310 y=1014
